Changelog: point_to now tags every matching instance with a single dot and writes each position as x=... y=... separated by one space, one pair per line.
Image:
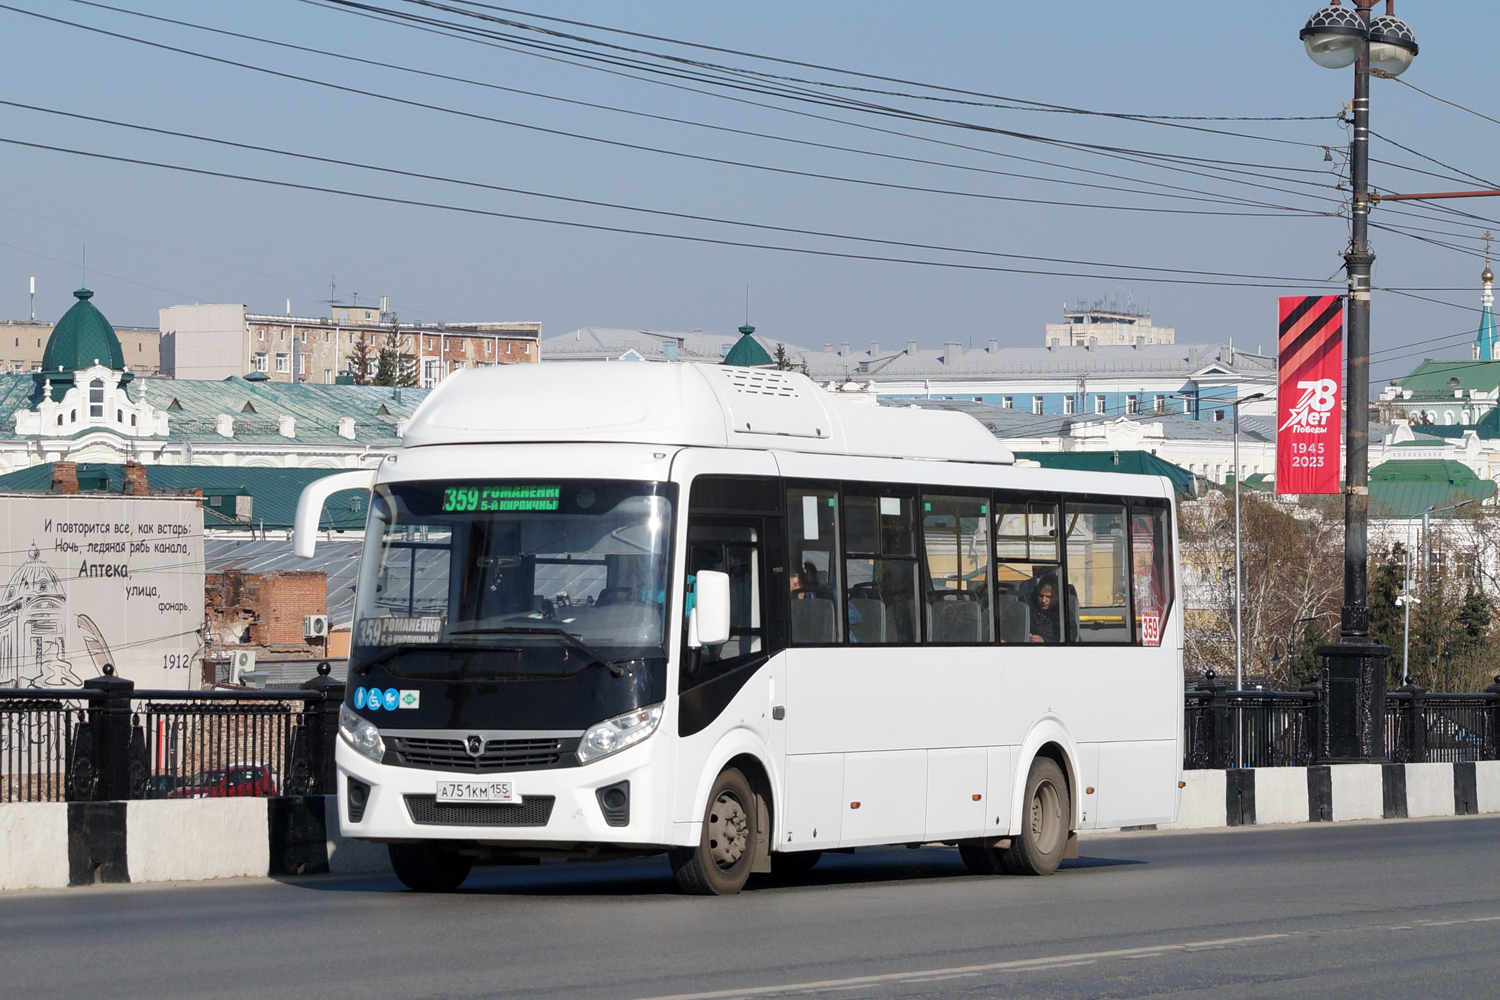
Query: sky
x=1251 y=203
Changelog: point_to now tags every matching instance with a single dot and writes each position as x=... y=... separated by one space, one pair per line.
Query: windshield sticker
x=411 y=699
x=390 y=697
x=387 y=631
x=359 y=697
x=372 y=701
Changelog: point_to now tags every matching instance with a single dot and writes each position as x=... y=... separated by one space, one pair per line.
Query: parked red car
x=241 y=779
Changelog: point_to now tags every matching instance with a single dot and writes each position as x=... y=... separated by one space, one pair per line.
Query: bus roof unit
x=713 y=406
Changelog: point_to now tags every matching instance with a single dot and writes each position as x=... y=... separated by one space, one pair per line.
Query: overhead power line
x=597 y=227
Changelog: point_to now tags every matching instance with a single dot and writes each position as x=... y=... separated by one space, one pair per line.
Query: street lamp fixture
x=1353 y=708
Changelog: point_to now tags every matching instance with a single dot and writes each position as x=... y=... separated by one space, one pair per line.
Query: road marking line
x=1019 y=965
x=936 y=979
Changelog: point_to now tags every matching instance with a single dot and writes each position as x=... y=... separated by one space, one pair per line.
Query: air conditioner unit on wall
x=315 y=627
x=241 y=663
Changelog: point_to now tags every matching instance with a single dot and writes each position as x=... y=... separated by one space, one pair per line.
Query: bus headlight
x=360 y=733
x=613 y=735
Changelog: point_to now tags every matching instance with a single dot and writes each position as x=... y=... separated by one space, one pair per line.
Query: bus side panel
x=1138 y=782
x=999 y=791
x=813 y=810
x=886 y=795
x=956 y=793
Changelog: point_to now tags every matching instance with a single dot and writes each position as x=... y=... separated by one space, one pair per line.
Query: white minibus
x=610 y=609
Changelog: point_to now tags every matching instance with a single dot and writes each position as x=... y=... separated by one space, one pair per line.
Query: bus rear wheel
x=428 y=868
x=720 y=864
x=1046 y=815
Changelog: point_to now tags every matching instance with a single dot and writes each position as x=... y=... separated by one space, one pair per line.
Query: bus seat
x=1014 y=619
x=871 y=625
x=813 y=620
x=956 y=621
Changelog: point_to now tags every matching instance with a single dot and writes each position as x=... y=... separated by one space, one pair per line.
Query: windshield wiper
x=615 y=667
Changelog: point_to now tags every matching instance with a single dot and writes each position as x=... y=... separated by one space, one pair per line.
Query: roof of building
x=1436 y=378
x=712 y=406
x=82 y=338
x=339 y=561
x=952 y=361
x=1406 y=487
x=193 y=407
x=1141 y=463
x=747 y=352
x=274 y=492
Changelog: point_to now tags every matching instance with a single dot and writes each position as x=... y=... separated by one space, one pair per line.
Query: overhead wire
x=597 y=227
x=1273 y=209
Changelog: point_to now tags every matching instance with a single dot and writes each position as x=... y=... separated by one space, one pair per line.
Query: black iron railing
x=1225 y=729
x=110 y=741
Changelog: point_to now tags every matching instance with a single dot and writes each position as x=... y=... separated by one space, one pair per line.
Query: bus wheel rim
x=1046 y=817
x=728 y=831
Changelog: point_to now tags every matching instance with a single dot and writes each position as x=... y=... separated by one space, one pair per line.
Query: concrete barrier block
x=1280 y=795
x=33 y=845
x=187 y=839
x=1358 y=791
x=349 y=856
x=1487 y=784
x=1429 y=789
x=1202 y=801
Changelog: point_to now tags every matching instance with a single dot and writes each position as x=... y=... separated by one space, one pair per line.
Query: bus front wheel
x=428 y=868
x=1046 y=815
x=721 y=862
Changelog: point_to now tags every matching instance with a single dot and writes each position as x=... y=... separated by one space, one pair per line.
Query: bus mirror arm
x=310 y=505
x=708 y=622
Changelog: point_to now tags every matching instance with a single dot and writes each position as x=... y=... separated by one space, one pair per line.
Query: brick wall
x=64 y=477
x=270 y=605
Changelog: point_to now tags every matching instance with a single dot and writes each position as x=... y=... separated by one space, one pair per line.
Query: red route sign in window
x=1310 y=355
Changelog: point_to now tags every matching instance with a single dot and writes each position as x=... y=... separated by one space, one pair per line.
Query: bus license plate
x=476 y=791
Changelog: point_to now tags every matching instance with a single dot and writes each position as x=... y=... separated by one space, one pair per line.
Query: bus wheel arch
x=1048 y=739
x=742 y=751
x=732 y=841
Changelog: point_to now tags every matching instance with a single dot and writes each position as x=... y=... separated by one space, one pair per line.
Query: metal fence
x=109 y=741
x=1225 y=729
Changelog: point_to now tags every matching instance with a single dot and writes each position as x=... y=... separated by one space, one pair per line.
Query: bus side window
x=1098 y=571
x=813 y=580
x=1030 y=598
x=881 y=569
x=1149 y=578
x=956 y=543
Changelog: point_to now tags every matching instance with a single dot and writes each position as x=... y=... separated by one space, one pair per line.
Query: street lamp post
x=1353 y=706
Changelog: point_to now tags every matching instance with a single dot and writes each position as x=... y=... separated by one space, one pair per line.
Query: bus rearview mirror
x=708 y=624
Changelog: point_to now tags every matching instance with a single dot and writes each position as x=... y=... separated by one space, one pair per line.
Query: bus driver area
x=606 y=610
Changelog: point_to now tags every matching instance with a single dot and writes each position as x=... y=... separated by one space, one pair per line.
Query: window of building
x=956 y=541
x=1098 y=577
x=430 y=372
x=119 y=416
x=1036 y=404
x=1218 y=414
x=489 y=346
x=302 y=363
x=328 y=376
x=1158 y=404
x=1100 y=404
x=1067 y=404
x=1132 y=405
x=261 y=334
x=260 y=361
x=813 y=576
x=283 y=363
x=1007 y=402
x=881 y=568
x=96 y=398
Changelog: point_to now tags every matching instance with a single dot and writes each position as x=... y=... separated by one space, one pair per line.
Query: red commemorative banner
x=1310 y=355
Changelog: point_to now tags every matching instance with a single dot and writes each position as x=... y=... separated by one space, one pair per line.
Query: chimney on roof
x=844 y=349
x=1140 y=341
x=951 y=353
x=827 y=348
x=874 y=348
x=135 y=480
x=994 y=346
x=911 y=347
x=64 y=477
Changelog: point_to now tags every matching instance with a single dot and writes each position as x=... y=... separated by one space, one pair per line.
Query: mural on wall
x=102 y=580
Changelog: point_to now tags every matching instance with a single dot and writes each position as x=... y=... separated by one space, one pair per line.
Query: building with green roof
x=85 y=405
x=1403 y=488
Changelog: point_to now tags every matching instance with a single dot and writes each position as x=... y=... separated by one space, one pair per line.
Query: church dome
x=1488 y=276
x=34 y=579
x=83 y=338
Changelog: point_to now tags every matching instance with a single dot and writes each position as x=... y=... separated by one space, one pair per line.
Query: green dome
x=81 y=339
x=747 y=351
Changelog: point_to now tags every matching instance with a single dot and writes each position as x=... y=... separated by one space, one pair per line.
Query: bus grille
x=534 y=810
x=498 y=755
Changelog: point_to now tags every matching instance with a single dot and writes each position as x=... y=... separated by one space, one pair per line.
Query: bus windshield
x=457 y=566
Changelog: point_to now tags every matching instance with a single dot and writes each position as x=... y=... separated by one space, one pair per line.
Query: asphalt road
x=1368 y=910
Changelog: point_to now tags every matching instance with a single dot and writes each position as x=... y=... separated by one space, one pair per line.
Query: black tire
x=720 y=864
x=1046 y=821
x=790 y=864
x=428 y=868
